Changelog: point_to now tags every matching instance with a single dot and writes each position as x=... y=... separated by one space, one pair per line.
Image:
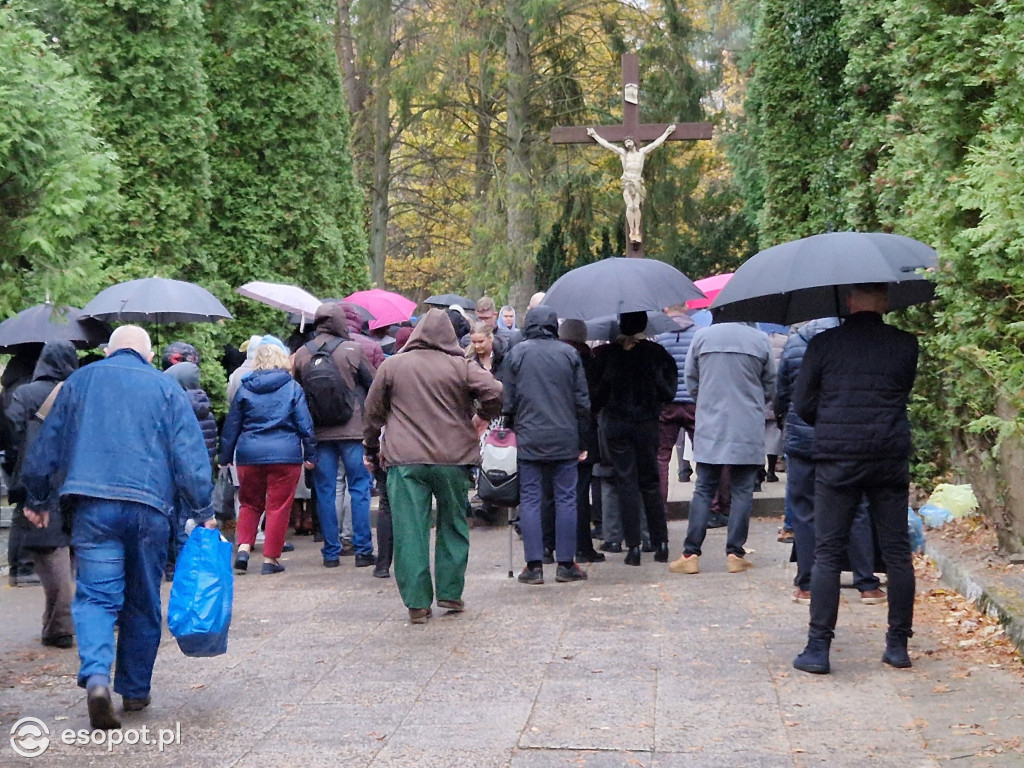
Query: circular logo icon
x=30 y=737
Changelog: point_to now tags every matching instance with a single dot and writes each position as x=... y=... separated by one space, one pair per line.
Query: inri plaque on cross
x=630 y=132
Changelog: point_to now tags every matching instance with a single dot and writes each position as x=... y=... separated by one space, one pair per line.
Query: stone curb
x=1004 y=604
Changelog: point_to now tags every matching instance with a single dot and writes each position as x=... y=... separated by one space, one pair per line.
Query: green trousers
x=410 y=488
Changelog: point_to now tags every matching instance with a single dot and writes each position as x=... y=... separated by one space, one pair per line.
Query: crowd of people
x=112 y=460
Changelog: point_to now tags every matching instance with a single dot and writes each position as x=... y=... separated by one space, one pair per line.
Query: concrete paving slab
x=636 y=666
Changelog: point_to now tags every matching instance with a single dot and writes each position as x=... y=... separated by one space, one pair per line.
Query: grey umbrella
x=607 y=328
x=811 y=277
x=447 y=299
x=156 y=300
x=617 y=285
x=45 y=322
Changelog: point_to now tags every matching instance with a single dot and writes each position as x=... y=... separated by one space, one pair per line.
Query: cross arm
x=647 y=132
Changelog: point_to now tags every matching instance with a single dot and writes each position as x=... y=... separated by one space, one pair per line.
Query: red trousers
x=266 y=488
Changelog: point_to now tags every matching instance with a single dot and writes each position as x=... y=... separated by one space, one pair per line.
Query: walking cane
x=511 y=519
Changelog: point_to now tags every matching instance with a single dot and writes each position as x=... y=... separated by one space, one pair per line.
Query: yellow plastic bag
x=958 y=499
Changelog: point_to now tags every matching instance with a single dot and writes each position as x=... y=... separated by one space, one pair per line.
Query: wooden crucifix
x=631 y=153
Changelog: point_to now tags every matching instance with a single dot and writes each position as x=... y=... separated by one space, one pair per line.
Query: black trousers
x=839 y=487
x=385 y=534
x=633 y=454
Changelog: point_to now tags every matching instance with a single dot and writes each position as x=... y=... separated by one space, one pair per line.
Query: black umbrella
x=616 y=285
x=447 y=299
x=156 y=300
x=607 y=328
x=810 y=278
x=45 y=322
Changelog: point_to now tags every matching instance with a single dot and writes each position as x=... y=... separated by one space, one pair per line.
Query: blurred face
x=482 y=343
x=509 y=316
x=488 y=316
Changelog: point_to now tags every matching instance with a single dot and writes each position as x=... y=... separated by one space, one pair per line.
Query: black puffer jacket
x=57 y=361
x=799 y=435
x=546 y=394
x=853 y=387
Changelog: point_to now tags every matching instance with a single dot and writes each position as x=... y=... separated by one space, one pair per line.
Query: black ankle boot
x=814 y=658
x=633 y=556
x=896 y=652
x=661 y=553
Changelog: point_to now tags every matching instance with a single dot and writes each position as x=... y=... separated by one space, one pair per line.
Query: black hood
x=541 y=323
x=57 y=361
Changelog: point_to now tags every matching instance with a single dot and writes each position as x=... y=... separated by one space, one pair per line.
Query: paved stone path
x=635 y=667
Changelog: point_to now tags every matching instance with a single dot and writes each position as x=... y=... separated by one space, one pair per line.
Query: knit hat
x=573 y=330
x=268 y=339
x=632 y=323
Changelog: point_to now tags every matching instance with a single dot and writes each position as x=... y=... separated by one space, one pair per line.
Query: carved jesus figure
x=633 y=190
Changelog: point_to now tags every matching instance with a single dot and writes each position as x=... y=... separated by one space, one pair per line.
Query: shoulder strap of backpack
x=44 y=409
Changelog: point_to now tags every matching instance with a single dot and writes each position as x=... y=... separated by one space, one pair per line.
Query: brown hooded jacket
x=424 y=398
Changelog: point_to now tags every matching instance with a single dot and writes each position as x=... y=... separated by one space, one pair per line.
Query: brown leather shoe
x=419 y=615
x=458 y=606
x=737 y=564
x=802 y=596
x=873 y=597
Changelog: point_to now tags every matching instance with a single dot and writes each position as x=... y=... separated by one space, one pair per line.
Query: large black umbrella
x=156 y=300
x=617 y=285
x=45 y=322
x=607 y=328
x=810 y=278
x=445 y=300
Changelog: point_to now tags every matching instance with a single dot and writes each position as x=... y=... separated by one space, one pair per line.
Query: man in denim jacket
x=122 y=441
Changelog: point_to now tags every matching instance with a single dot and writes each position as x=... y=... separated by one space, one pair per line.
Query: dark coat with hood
x=424 y=398
x=374 y=354
x=546 y=397
x=187 y=375
x=331 y=323
x=854 y=386
x=798 y=435
x=57 y=361
x=269 y=422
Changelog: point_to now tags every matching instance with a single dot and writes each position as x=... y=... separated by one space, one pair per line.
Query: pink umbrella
x=710 y=286
x=385 y=306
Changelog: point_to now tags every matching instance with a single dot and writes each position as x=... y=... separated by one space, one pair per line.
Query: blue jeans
x=743 y=477
x=325 y=480
x=563 y=479
x=121 y=548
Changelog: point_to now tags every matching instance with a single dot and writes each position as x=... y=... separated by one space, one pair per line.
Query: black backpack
x=330 y=399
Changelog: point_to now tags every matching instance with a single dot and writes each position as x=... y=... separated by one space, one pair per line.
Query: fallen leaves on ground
x=959 y=629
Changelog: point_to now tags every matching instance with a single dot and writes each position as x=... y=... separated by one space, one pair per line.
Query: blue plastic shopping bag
x=199 y=612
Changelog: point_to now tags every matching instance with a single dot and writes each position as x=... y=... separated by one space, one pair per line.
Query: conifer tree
x=143 y=60
x=285 y=202
x=58 y=180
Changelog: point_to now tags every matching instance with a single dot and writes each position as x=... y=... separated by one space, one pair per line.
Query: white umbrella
x=290 y=298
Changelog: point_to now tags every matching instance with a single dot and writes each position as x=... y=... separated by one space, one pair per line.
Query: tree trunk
x=520 y=210
x=381 y=186
x=996 y=479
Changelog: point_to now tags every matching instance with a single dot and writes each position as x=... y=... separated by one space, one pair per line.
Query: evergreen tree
x=794 y=103
x=285 y=202
x=58 y=180
x=143 y=60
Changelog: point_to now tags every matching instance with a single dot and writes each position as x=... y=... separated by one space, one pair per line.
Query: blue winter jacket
x=799 y=435
x=677 y=343
x=269 y=422
x=120 y=429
